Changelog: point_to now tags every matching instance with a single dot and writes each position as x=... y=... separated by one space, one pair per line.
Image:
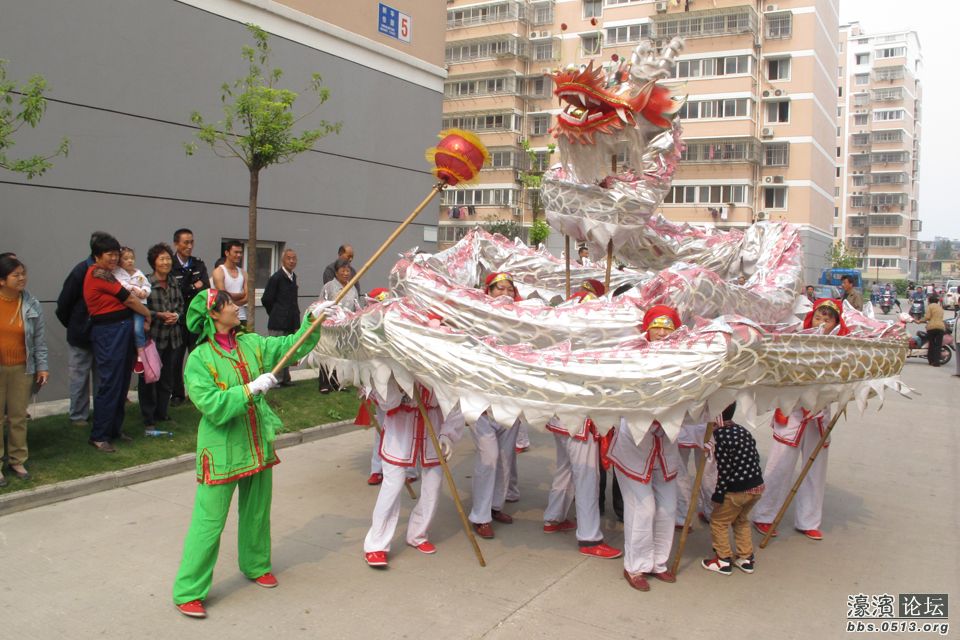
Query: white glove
x=320 y=307
x=446 y=446
x=262 y=384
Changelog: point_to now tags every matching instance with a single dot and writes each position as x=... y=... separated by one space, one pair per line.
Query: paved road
x=102 y=566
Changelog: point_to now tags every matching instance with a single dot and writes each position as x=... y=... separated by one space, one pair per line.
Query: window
x=889 y=73
x=861 y=78
x=887 y=114
x=778 y=69
x=726 y=108
x=719 y=151
x=862 y=58
x=543 y=51
x=884 y=263
x=859 y=180
x=861 y=119
x=539 y=124
x=539 y=87
x=708 y=194
x=776 y=154
x=479 y=197
x=542 y=13
x=838 y=152
x=885 y=241
x=891 y=52
x=627 y=33
x=501 y=159
x=888 y=94
x=592 y=8
x=483 y=122
x=778 y=111
x=542 y=162
x=856 y=202
x=481 y=50
x=775 y=197
x=590 y=44
x=481 y=15
x=268 y=261
x=891 y=135
x=779 y=25
x=729 y=21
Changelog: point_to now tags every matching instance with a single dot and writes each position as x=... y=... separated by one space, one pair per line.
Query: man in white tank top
x=229 y=277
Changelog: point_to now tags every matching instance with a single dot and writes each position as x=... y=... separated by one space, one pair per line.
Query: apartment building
x=878 y=141
x=759 y=120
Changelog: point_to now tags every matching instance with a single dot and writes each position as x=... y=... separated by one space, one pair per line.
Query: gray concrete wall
x=124 y=76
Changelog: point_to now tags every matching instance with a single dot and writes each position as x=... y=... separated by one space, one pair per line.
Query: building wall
x=810 y=45
x=124 y=76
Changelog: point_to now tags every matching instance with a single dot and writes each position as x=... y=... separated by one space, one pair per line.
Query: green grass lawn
x=59 y=450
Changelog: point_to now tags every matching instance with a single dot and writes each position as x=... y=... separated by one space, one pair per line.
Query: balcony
x=860 y=140
x=888 y=94
x=490 y=48
x=889 y=74
x=705 y=24
x=722 y=151
x=490 y=13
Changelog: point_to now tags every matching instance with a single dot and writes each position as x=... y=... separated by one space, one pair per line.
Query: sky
x=937 y=24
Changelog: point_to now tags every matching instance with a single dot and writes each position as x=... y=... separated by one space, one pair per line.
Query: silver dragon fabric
x=590 y=360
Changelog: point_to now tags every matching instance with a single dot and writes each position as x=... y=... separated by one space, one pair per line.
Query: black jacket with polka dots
x=738 y=462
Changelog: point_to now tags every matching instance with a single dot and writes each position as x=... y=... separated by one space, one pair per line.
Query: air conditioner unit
x=779 y=92
x=534 y=34
x=772 y=7
x=766 y=132
x=661 y=7
x=766 y=94
x=777 y=179
x=768 y=179
x=761 y=215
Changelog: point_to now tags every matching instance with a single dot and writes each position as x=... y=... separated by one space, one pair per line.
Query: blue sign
x=391 y=22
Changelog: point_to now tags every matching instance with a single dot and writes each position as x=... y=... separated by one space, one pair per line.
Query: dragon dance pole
x=606 y=279
x=379 y=429
x=449 y=476
x=803 y=474
x=566 y=239
x=457 y=158
x=692 y=505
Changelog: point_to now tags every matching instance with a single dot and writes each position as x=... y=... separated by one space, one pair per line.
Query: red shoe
x=267 y=581
x=376 y=558
x=138 y=367
x=425 y=547
x=500 y=516
x=664 y=576
x=559 y=527
x=601 y=551
x=522 y=449
x=375 y=478
x=638 y=582
x=484 y=530
x=764 y=527
x=192 y=609
x=813 y=534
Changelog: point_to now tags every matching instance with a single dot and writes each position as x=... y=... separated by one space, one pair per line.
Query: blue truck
x=832 y=276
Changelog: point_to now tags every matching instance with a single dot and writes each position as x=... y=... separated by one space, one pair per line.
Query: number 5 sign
x=395 y=24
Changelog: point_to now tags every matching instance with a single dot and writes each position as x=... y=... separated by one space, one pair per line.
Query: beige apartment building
x=878 y=142
x=759 y=122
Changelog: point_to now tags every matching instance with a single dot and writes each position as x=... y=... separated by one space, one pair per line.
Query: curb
x=69 y=489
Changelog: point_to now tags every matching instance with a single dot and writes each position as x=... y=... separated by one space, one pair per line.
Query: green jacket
x=237 y=429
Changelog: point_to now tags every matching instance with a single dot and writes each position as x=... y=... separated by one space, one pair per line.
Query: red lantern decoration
x=563 y=26
x=458 y=157
x=593 y=21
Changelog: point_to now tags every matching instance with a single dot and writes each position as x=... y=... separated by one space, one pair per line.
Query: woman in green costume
x=227 y=376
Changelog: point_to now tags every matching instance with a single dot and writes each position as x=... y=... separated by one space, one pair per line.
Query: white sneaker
x=745 y=564
x=718 y=565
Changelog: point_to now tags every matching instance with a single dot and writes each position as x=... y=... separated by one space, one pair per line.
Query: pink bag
x=151 y=363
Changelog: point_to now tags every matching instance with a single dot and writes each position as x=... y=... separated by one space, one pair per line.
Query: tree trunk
x=252 y=250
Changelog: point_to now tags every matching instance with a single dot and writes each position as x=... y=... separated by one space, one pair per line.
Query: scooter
x=886 y=303
x=916 y=310
x=918 y=346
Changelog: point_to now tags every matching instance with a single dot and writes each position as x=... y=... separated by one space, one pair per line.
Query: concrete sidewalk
x=102 y=565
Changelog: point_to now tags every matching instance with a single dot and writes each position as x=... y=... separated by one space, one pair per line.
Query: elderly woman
x=23 y=360
x=165 y=303
x=342 y=275
x=227 y=376
x=796 y=434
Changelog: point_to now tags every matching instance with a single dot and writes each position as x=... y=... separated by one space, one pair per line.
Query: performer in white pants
x=376 y=462
x=646 y=472
x=577 y=475
x=523 y=443
x=491 y=474
x=794 y=438
x=691 y=440
x=793 y=435
x=405 y=443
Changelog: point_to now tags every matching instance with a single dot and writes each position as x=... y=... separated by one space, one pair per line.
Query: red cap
x=836 y=305
x=380 y=294
x=661 y=315
x=594 y=286
x=499 y=276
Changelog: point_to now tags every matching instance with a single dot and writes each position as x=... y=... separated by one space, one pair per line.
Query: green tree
x=902 y=287
x=532 y=178
x=539 y=232
x=840 y=258
x=943 y=250
x=257 y=128
x=507 y=228
x=28 y=110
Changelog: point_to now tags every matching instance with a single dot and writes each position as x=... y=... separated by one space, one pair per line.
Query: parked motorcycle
x=918 y=346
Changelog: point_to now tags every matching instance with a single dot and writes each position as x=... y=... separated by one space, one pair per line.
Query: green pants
x=203 y=539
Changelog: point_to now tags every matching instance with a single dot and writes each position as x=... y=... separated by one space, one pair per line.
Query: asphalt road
x=102 y=566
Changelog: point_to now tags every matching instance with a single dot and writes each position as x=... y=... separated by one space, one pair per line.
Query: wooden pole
x=566 y=239
x=379 y=429
x=449 y=476
x=606 y=280
x=803 y=474
x=692 y=506
x=437 y=188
